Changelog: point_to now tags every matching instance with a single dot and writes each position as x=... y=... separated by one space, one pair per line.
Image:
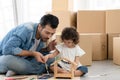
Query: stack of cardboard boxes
x=116 y=50
x=92 y=24
x=113 y=30
x=66 y=19
x=86 y=44
x=62 y=5
x=63 y=9
x=97 y=30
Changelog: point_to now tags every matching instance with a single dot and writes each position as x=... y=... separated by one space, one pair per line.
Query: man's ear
x=39 y=27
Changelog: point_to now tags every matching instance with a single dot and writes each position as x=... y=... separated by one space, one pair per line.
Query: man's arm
x=50 y=47
x=26 y=53
x=39 y=57
x=12 y=48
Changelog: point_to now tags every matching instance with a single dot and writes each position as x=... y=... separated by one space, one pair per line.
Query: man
x=23 y=48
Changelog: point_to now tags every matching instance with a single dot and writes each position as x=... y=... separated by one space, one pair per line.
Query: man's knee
x=14 y=63
x=5 y=59
x=4 y=62
x=10 y=61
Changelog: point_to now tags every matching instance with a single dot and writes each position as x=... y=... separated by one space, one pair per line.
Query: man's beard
x=45 y=39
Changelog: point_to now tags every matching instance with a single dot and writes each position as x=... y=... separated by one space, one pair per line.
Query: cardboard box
x=86 y=44
x=116 y=50
x=91 y=21
x=99 y=45
x=62 y=5
x=113 y=21
x=66 y=19
x=58 y=38
x=110 y=44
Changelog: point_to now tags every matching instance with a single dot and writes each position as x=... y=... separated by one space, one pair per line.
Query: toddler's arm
x=51 y=55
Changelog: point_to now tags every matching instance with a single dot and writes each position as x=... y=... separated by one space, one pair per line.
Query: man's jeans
x=21 y=65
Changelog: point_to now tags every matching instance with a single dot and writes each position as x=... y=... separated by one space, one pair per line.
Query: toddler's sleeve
x=59 y=47
x=79 y=51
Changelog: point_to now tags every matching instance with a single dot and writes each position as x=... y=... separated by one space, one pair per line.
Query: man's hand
x=39 y=57
x=51 y=45
x=46 y=58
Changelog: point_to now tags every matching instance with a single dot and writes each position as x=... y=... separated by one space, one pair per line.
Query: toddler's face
x=69 y=43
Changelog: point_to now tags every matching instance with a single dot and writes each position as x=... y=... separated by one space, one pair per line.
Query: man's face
x=46 y=33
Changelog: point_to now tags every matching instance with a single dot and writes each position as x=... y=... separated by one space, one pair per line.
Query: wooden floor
x=32 y=77
x=99 y=70
x=21 y=77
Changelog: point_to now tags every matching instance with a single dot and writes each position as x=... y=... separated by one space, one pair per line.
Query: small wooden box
x=61 y=75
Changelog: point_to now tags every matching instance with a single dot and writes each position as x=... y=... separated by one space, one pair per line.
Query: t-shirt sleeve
x=79 y=51
x=59 y=47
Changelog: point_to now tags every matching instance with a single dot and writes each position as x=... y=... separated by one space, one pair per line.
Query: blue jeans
x=21 y=65
x=83 y=69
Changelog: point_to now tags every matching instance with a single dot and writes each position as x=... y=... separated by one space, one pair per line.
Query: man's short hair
x=49 y=19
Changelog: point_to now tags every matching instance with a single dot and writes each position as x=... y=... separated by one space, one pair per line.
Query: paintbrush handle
x=47 y=68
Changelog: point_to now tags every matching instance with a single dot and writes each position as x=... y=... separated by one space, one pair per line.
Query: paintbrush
x=46 y=66
x=46 y=76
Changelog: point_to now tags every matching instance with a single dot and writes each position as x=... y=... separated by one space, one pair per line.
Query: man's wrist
x=47 y=49
x=32 y=53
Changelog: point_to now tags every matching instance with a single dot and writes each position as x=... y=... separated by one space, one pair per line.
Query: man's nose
x=50 y=35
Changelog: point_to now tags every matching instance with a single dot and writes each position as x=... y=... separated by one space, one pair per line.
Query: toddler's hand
x=75 y=65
